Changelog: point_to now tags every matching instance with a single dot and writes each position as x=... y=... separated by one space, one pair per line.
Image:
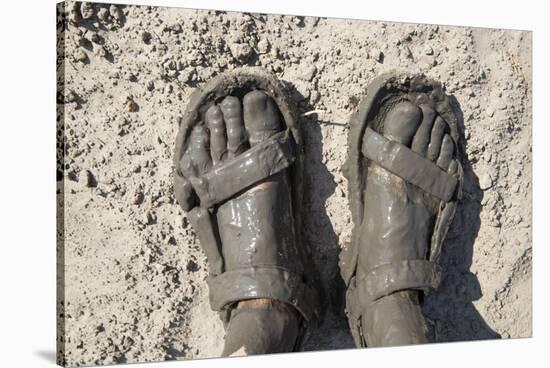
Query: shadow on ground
x=451 y=306
x=319 y=185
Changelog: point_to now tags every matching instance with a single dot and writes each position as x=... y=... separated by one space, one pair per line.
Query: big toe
x=402 y=122
x=261 y=116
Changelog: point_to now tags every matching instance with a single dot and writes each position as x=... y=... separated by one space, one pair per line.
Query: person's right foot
x=398 y=220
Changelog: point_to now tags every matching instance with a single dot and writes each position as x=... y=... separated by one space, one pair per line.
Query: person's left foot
x=256 y=227
x=261 y=326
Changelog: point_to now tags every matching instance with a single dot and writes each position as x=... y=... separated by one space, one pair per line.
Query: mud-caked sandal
x=405 y=178
x=238 y=174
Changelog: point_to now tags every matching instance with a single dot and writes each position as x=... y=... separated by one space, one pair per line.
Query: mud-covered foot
x=256 y=227
x=398 y=220
x=261 y=326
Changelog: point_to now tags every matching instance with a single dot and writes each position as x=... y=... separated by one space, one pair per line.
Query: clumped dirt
x=131 y=268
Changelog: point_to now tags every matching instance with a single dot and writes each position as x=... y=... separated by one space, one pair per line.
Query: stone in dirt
x=115 y=12
x=86 y=10
x=102 y=231
x=240 y=51
x=308 y=72
x=81 y=56
x=87 y=179
x=485 y=181
x=103 y=14
x=263 y=46
x=377 y=55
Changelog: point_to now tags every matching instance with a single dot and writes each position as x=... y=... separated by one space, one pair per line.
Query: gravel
x=130 y=224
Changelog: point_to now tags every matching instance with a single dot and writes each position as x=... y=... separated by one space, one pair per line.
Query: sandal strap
x=392 y=277
x=262 y=282
x=201 y=220
x=408 y=165
x=260 y=162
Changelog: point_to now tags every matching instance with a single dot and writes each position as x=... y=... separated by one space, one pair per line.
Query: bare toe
x=218 y=139
x=236 y=135
x=436 y=138
x=402 y=122
x=453 y=167
x=446 y=153
x=422 y=137
x=198 y=151
x=261 y=116
x=184 y=193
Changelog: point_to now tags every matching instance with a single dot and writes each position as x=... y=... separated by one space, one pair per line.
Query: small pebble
x=114 y=11
x=377 y=55
x=485 y=182
x=81 y=55
x=192 y=266
x=175 y=28
x=308 y=72
x=71 y=96
x=95 y=38
x=146 y=37
x=138 y=198
x=150 y=218
x=131 y=105
x=86 y=10
x=103 y=14
x=240 y=51
x=263 y=46
x=87 y=179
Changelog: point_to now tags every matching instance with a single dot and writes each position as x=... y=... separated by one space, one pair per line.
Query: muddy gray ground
x=134 y=272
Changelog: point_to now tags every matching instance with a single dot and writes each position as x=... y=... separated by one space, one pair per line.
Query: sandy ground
x=132 y=268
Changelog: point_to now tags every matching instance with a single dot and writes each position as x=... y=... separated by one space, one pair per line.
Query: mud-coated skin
x=410 y=166
x=261 y=327
x=398 y=227
x=215 y=122
x=396 y=320
x=258 y=253
x=228 y=178
x=256 y=227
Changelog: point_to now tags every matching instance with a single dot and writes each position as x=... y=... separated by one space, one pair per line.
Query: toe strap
x=261 y=161
x=408 y=165
x=389 y=278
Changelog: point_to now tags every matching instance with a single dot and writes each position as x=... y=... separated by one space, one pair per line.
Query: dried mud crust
x=383 y=94
x=135 y=275
x=298 y=285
